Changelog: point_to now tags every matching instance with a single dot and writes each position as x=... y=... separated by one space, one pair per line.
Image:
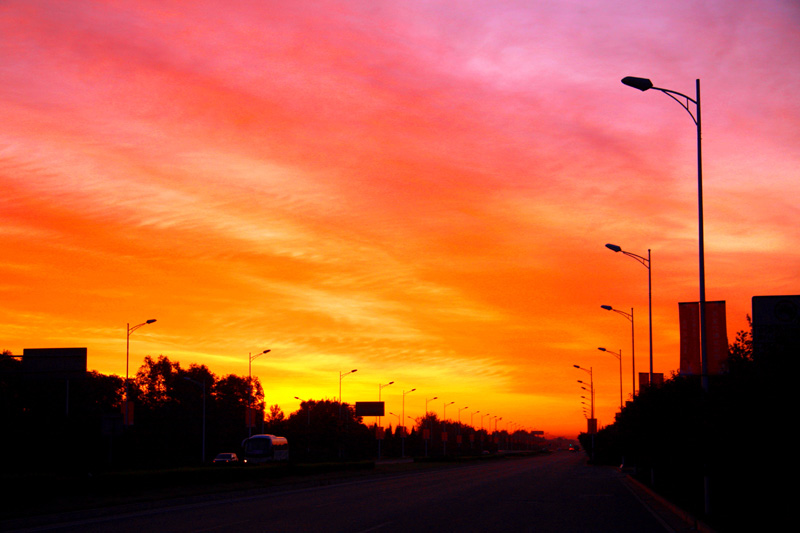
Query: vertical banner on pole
x=689 y=317
x=716 y=341
x=717 y=330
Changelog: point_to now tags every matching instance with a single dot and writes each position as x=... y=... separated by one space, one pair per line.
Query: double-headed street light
x=643 y=84
x=647 y=264
x=629 y=316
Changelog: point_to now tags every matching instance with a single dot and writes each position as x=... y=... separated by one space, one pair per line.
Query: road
x=556 y=493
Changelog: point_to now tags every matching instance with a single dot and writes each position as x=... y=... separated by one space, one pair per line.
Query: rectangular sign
x=689 y=318
x=369 y=409
x=644 y=379
x=59 y=363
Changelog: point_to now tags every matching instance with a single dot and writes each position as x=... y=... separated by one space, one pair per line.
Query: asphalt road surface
x=556 y=493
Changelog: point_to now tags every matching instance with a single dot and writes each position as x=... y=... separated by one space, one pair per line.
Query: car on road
x=226 y=458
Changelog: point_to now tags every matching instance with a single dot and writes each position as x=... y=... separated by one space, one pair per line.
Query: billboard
x=60 y=363
x=370 y=409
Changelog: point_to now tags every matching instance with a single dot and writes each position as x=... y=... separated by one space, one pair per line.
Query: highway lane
x=557 y=493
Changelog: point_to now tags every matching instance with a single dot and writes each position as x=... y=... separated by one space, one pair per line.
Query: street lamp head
x=607 y=307
x=354 y=370
x=576 y=366
x=638 y=83
x=150 y=321
x=614 y=247
x=602 y=349
x=390 y=383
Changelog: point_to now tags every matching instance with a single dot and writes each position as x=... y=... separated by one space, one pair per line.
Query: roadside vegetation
x=675 y=438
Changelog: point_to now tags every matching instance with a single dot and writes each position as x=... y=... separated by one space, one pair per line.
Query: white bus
x=265 y=448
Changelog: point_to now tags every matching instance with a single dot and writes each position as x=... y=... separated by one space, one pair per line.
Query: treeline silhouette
x=679 y=439
x=76 y=426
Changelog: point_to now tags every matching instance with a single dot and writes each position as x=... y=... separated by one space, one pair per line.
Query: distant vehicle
x=265 y=448
x=573 y=448
x=226 y=458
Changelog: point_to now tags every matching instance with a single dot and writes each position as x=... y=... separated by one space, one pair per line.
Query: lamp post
x=591 y=384
x=458 y=438
x=471 y=423
x=482 y=418
x=341 y=376
x=633 y=352
x=444 y=410
x=127 y=363
x=593 y=421
x=644 y=84
x=203 y=386
x=618 y=356
x=427 y=400
x=459 y=416
x=380 y=388
x=308 y=424
x=251 y=420
x=403 y=422
x=646 y=262
x=430 y=422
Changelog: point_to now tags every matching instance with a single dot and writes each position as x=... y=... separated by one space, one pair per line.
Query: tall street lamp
x=127 y=363
x=459 y=416
x=428 y=400
x=444 y=410
x=380 y=388
x=341 y=376
x=633 y=351
x=647 y=264
x=430 y=422
x=644 y=84
x=593 y=421
x=250 y=417
x=591 y=385
x=403 y=425
x=308 y=423
x=618 y=356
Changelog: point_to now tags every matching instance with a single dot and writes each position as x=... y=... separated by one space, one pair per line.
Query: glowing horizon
x=421 y=191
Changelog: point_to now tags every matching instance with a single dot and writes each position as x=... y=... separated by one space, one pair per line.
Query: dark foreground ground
x=99 y=502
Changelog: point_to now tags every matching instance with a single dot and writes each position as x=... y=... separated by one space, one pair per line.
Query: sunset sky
x=418 y=190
